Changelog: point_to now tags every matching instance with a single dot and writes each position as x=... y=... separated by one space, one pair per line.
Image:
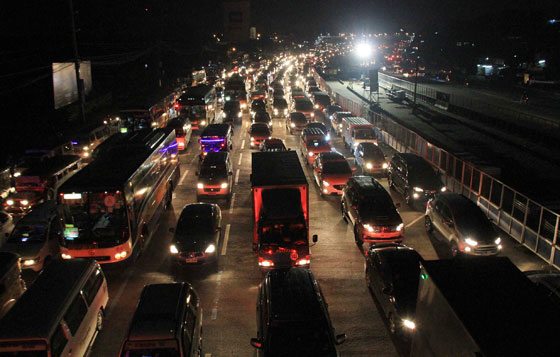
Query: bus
x=111 y=207
x=60 y=314
x=199 y=105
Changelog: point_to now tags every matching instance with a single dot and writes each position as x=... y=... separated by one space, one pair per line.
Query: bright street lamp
x=364 y=50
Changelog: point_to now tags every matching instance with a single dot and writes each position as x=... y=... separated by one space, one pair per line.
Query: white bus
x=59 y=315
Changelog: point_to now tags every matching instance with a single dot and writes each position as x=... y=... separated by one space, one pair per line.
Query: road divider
x=183 y=177
x=414 y=222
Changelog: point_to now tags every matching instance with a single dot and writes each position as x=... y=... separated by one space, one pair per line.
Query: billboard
x=64 y=82
x=236 y=20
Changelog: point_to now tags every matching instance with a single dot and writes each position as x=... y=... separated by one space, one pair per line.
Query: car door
x=400 y=176
x=352 y=208
x=447 y=224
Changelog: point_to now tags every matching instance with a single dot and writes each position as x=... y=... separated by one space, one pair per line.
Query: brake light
x=294 y=255
x=265 y=263
x=304 y=261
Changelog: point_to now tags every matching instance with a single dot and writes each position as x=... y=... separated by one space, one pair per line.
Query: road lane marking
x=239 y=161
x=183 y=177
x=243 y=144
x=232 y=202
x=194 y=157
x=236 y=176
x=414 y=222
x=226 y=239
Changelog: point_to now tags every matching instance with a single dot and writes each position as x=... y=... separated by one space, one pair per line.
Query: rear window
x=336 y=167
x=304 y=105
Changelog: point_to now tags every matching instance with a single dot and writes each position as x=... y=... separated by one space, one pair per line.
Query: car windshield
x=364 y=133
x=191 y=223
x=298 y=118
x=301 y=338
x=231 y=105
x=311 y=143
x=404 y=270
x=260 y=130
x=423 y=173
x=302 y=105
x=210 y=171
x=373 y=154
x=378 y=205
x=474 y=222
x=337 y=167
x=28 y=233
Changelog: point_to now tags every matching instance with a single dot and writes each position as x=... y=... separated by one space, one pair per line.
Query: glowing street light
x=363 y=50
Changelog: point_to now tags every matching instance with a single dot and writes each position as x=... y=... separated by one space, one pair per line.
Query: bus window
x=75 y=314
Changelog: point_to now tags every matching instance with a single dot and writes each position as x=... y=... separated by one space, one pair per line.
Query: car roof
x=40 y=213
x=216 y=130
x=389 y=246
x=331 y=155
x=313 y=131
x=259 y=126
x=456 y=202
x=410 y=158
x=367 y=185
x=297 y=115
x=198 y=208
x=215 y=157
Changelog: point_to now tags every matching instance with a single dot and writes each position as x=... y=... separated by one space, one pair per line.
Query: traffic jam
x=79 y=221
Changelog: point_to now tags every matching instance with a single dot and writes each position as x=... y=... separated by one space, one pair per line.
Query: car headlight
x=292 y=125
x=471 y=242
x=368 y=227
x=418 y=189
x=310 y=153
x=400 y=227
x=210 y=249
x=239 y=115
x=443 y=189
x=328 y=137
x=409 y=324
x=312 y=115
x=330 y=117
x=275 y=111
x=173 y=249
x=224 y=185
x=65 y=256
x=203 y=122
x=498 y=240
x=285 y=111
x=326 y=184
x=29 y=262
x=200 y=185
x=385 y=165
x=252 y=138
x=355 y=144
x=369 y=166
x=340 y=126
x=120 y=255
x=10 y=202
x=24 y=202
x=316 y=106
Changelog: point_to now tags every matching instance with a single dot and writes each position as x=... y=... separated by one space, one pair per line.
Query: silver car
x=462 y=224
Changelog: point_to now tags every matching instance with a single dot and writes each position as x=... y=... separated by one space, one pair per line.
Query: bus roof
x=38 y=311
x=52 y=165
x=111 y=170
x=197 y=91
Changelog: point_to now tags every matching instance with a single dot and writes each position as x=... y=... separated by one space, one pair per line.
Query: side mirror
x=387 y=290
x=171 y=230
x=315 y=238
x=339 y=339
x=257 y=343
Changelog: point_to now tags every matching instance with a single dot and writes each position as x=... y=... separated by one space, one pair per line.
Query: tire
x=357 y=237
x=428 y=225
x=99 y=322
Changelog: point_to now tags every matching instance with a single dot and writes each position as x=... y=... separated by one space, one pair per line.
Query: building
x=236 y=20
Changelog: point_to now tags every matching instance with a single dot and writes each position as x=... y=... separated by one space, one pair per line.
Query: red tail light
x=294 y=255
x=265 y=263
x=304 y=261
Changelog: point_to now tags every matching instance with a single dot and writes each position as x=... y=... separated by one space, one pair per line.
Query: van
x=167 y=322
x=60 y=314
x=356 y=130
x=11 y=283
x=292 y=316
x=35 y=237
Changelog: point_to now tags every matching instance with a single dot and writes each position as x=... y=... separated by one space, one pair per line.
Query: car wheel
x=428 y=225
x=99 y=321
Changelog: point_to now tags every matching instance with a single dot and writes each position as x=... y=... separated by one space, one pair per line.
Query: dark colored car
x=330 y=110
x=262 y=116
x=197 y=234
x=257 y=105
x=392 y=272
x=369 y=208
x=258 y=132
x=232 y=111
x=293 y=317
x=215 y=176
x=295 y=121
x=273 y=144
x=322 y=127
x=370 y=159
x=279 y=107
x=414 y=178
x=462 y=224
x=546 y=281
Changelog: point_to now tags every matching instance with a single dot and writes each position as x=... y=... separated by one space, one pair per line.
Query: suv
x=370 y=158
x=312 y=144
x=292 y=316
x=331 y=172
x=215 y=138
x=215 y=175
x=414 y=178
x=369 y=208
x=460 y=222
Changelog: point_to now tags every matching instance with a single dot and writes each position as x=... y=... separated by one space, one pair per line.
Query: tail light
x=304 y=261
x=265 y=263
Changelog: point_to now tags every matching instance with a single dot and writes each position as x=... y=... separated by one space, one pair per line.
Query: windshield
x=379 y=205
x=404 y=268
x=373 y=154
x=264 y=131
x=304 y=106
x=195 y=112
x=284 y=234
x=337 y=167
x=364 y=133
x=475 y=222
x=311 y=143
x=194 y=223
x=211 y=171
x=305 y=338
x=94 y=217
x=231 y=106
x=28 y=233
x=424 y=174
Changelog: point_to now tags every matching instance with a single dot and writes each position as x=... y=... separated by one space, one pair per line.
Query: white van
x=356 y=130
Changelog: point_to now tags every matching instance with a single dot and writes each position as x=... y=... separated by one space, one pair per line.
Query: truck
x=356 y=130
x=280 y=195
x=484 y=306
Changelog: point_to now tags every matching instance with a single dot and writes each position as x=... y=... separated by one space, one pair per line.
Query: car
x=321 y=127
x=273 y=144
x=313 y=89
x=414 y=178
x=232 y=108
x=368 y=207
x=215 y=176
x=18 y=203
x=546 y=281
x=293 y=317
x=278 y=93
x=336 y=121
x=392 y=274
x=331 y=172
x=258 y=94
x=303 y=106
x=258 y=104
x=370 y=159
x=321 y=100
x=279 y=107
x=462 y=224
x=313 y=143
x=330 y=110
x=258 y=132
x=262 y=116
x=196 y=236
x=295 y=121
x=35 y=237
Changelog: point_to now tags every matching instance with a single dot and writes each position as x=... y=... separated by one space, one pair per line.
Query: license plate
x=191 y=260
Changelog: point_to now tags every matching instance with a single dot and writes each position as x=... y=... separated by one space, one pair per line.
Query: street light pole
x=415 y=85
x=79 y=81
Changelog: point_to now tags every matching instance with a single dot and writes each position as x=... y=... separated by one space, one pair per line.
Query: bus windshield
x=98 y=217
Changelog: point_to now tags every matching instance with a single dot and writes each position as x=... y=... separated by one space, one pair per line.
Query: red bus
x=111 y=207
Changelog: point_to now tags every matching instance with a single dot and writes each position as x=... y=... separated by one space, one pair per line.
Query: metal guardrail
x=429 y=95
x=527 y=221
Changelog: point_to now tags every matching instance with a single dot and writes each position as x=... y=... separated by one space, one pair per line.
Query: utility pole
x=79 y=81
x=415 y=85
